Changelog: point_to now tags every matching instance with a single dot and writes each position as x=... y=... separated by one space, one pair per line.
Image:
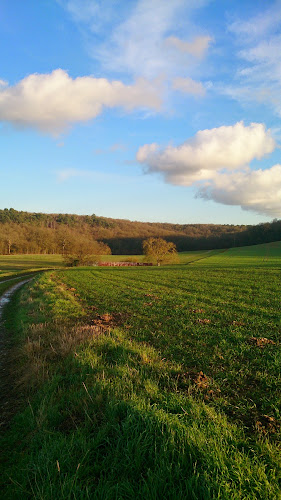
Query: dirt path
x=7 y=398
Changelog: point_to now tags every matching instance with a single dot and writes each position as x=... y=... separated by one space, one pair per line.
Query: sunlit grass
x=18 y=264
x=149 y=382
x=264 y=255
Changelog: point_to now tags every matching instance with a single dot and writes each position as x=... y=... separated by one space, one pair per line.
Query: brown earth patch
x=260 y=342
x=109 y=320
x=200 y=379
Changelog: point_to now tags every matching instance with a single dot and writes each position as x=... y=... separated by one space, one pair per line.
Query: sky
x=149 y=110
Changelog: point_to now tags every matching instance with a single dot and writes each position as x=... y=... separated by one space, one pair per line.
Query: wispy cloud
x=197 y=47
x=85 y=12
x=188 y=86
x=51 y=102
x=141 y=37
x=259 y=50
x=95 y=14
x=264 y=23
x=137 y=45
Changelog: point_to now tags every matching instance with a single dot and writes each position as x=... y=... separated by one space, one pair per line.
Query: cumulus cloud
x=51 y=102
x=189 y=86
x=197 y=47
x=216 y=162
x=209 y=151
x=258 y=190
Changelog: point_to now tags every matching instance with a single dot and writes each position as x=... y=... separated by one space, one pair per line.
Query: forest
x=38 y=233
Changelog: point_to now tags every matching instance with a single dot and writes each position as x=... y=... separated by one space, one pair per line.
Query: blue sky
x=152 y=110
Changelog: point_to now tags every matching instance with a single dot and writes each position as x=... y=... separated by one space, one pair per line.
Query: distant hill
x=26 y=232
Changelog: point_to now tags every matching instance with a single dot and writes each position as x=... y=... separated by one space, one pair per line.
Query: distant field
x=11 y=264
x=268 y=254
x=185 y=257
x=159 y=382
x=189 y=257
x=14 y=266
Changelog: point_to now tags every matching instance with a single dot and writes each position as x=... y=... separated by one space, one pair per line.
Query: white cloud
x=97 y=14
x=189 y=86
x=259 y=75
x=260 y=25
x=265 y=57
x=139 y=37
x=51 y=102
x=258 y=190
x=137 y=44
x=82 y=12
x=197 y=47
x=215 y=162
x=200 y=158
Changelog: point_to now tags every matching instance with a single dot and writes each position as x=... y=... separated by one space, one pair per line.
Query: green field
x=253 y=255
x=149 y=383
x=17 y=264
x=11 y=264
x=268 y=254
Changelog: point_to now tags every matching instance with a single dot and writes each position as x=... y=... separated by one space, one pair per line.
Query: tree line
x=28 y=233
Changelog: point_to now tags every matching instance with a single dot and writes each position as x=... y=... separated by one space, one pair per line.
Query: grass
x=14 y=267
x=17 y=264
x=265 y=255
x=149 y=382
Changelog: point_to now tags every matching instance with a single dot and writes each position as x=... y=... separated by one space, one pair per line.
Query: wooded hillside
x=24 y=232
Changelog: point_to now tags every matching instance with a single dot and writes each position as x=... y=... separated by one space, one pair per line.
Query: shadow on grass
x=110 y=422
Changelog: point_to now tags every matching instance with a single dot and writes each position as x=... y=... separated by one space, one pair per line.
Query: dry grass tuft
x=260 y=342
x=203 y=321
x=267 y=425
x=48 y=343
